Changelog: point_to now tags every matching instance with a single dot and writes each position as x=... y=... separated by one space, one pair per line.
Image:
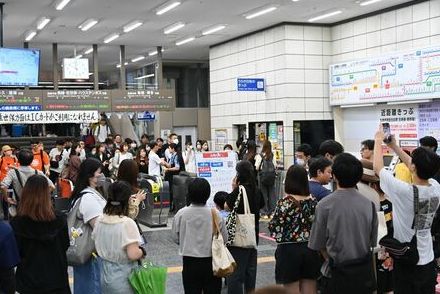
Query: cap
x=368 y=172
x=6 y=148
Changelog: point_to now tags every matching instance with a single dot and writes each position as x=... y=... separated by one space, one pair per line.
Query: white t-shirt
x=401 y=195
x=102 y=132
x=92 y=204
x=153 y=164
x=112 y=234
x=52 y=155
x=191 y=157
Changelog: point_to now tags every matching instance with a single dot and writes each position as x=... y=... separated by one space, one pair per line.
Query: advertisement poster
x=220 y=139
x=218 y=168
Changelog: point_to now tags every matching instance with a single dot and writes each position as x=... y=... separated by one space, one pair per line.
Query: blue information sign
x=21 y=108
x=250 y=84
x=146 y=115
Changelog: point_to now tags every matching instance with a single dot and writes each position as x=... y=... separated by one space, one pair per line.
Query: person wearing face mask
x=172 y=138
x=199 y=146
x=205 y=146
x=173 y=167
x=71 y=168
x=189 y=158
x=302 y=155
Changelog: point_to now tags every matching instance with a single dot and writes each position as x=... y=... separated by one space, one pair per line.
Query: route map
x=411 y=75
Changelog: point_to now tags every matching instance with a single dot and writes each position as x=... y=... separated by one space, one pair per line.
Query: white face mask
x=176 y=141
x=147 y=148
x=300 y=161
x=133 y=145
x=101 y=180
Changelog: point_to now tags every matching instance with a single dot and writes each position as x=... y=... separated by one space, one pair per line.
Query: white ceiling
x=22 y=15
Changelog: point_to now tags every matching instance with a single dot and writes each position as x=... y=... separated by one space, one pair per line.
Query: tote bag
x=241 y=227
x=223 y=264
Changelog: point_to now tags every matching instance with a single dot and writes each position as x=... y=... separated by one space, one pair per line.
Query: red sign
x=215 y=154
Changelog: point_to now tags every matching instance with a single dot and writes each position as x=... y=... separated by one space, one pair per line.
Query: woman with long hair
x=71 y=170
x=246 y=258
x=129 y=172
x=267 y=189
x=297 y=267
x=117 y=240
x=251 y=152
x=102 y=155
x=142 y=160
x=42 y=239
x=86 y=276
x=120 y=156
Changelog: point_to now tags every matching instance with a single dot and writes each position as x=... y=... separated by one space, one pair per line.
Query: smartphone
x=387 y=132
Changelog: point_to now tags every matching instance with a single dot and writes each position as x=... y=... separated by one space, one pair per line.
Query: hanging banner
x=46 y=117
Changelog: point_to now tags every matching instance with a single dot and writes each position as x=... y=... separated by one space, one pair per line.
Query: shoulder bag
x=223 y=264
x=405 y=252
x=80 y=234
x=241 y=227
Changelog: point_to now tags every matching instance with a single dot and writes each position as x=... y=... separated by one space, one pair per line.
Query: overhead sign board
x=77 y=100
x=250 y=84
x=45 y=117
x=21 y=100
x=146 y=115
x=143 y=100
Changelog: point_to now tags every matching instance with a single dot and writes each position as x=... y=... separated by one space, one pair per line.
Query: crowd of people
x=327 y=225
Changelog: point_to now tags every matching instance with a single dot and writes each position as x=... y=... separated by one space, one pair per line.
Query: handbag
x=148 y=278
x=223 y=264
x=241 y=227
x=404 y=252
x=80 y=234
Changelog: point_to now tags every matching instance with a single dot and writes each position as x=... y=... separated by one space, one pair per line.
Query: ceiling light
x=90 y=74
x=365 y=3
x=173 y=28
x=61 y=4
x=152 y=53
x=43 y=22
x=111 y=38
x=78 y=56
x=118 y=65
x=184 y=41
x=260 y=12
x=88 y=51
x=167 y=7
x=409 y=102
x=357 y=105
x=132 y=26
x=88 y=24
x=144 y=77
x=138 y=58
x=213 y=30
x=30 y=35
x=295 y=0
x=325 y=15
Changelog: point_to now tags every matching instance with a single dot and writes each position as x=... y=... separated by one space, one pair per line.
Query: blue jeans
x=244 y=278
x=87 y=277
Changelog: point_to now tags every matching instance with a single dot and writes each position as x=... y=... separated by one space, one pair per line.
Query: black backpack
x=267 y=172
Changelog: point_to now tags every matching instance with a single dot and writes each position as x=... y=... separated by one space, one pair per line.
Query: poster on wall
x=429 y=120
x=403 y=76
x=220 y=138
x=218 y=168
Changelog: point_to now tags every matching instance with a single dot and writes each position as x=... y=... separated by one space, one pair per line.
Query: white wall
x=294 y=62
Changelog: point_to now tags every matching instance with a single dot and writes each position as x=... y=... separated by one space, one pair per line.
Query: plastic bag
x=148 y=278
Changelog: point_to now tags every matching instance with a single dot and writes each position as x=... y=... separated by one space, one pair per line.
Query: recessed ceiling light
x=330 y=14
x=139 y=58
x=132 y=26
x=174 y=27
x=88 y=51
x=144 y=77
x=60 y=4
x=167 y=7
x=88 y=24
x=30 y=35
x=260 y=12
x=43 y=22
x=111 y=38
x=184 y=41
x=78 y=56
x=365 y=3
x=213 y=30
x=295 y=0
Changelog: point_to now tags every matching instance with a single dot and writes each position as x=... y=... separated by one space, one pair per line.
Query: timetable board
x=218 y=168
x=405 y=76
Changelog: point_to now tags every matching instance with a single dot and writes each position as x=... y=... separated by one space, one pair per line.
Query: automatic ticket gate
x=157 y=202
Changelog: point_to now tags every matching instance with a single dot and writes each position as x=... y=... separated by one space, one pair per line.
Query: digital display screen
x=19 y=67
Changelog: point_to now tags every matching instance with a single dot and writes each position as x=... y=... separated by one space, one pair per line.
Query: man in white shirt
x=101 y=131
x=57 y=159
x=420 y=278
x=154 y=162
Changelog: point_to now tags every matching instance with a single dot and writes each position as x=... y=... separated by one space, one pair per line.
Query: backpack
x=89 y=139
x=267 y=172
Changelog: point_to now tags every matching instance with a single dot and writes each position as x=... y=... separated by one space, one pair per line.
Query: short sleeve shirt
x=37 y=163
x=92 y=204
x=9 y=256
x=153 y=164
x=402 y=196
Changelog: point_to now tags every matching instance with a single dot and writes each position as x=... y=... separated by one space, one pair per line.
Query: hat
x=6 y=148
x=368 y=174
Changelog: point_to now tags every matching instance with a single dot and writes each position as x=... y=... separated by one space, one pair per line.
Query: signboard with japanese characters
x=77 y=100
x=143 y=100
x=45 y=117
x=429 y=120
x=21 y=100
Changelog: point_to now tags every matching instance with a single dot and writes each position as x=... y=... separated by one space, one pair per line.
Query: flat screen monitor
x=19 y=67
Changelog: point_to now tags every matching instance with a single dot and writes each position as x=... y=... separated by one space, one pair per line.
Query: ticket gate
x=180 y=189
x=157 y=202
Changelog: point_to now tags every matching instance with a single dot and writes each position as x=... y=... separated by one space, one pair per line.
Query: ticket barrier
x=180 y=189
x=157 y=202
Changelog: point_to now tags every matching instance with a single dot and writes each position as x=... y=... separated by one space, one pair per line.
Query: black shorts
x=384 y=281
x=295 y=261
x=416 y=279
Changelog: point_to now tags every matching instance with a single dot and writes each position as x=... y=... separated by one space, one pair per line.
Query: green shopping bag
x=148 y=278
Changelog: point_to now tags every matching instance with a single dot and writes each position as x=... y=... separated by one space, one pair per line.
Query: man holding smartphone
x=420 y=278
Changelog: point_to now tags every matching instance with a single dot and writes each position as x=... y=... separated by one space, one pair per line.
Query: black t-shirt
x=256 y=202
x=387 y=208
